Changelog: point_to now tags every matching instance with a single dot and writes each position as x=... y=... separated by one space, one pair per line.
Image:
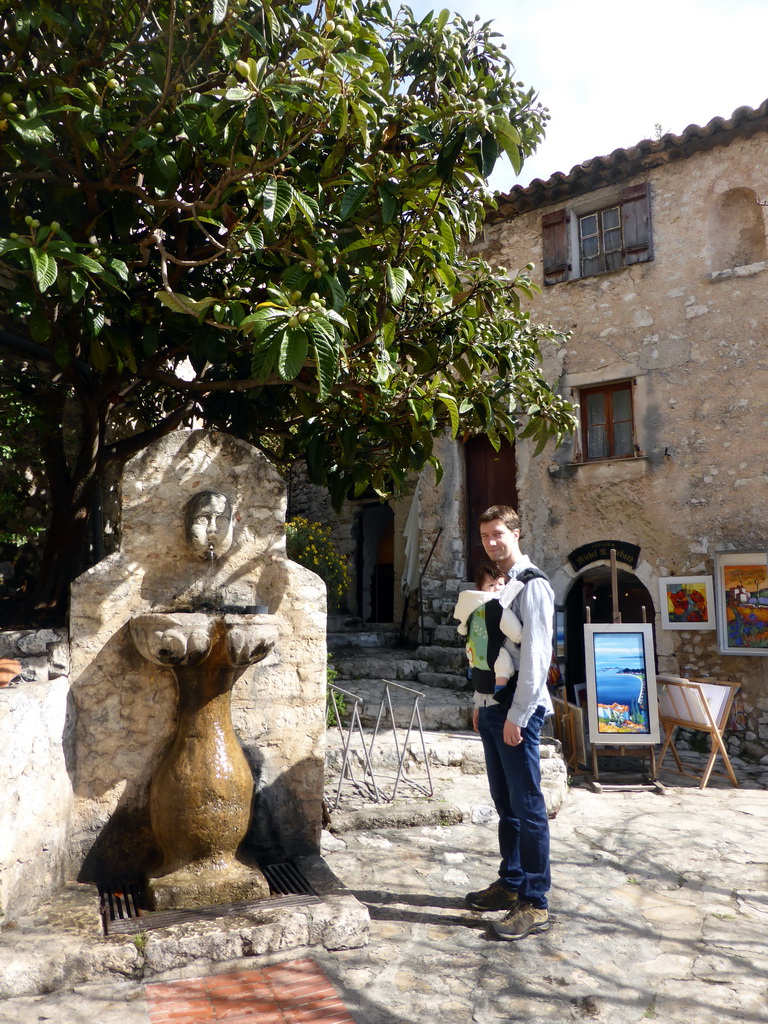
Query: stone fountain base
x=62 y=944
x=204 y=886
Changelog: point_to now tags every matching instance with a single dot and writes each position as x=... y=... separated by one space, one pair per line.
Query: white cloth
x=411 y=578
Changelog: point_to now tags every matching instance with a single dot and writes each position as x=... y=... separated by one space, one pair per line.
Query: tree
x=253 y=215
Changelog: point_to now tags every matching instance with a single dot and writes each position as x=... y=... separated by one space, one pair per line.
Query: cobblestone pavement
x=659 y=912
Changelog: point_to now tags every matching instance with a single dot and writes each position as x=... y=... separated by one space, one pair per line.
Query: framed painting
x=687 y=602
x=622 y=705
x=741 y=600
x=559 y=643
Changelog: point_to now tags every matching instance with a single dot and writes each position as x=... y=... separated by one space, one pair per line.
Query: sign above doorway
x=600 y=551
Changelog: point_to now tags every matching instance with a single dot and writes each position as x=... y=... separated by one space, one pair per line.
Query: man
x=511 y=740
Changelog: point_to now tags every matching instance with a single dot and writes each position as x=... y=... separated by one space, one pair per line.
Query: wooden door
x=491 y=480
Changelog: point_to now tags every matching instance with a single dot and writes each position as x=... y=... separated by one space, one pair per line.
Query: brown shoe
x=524 y=920
x=495 y=897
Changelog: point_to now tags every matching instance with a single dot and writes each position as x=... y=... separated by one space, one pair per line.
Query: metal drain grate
x=125 y=902
x=287 y=880
x=123 y=908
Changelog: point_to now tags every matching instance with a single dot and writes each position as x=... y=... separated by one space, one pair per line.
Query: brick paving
x=296 y=992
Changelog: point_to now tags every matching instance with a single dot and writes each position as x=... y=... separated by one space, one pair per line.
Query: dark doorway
x=593 y=590
x=376 y=563
x=491 y=480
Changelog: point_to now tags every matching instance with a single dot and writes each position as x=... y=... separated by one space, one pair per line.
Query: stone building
x=651 y=261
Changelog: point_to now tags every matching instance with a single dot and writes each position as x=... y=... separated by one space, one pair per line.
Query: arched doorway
x=592 y=590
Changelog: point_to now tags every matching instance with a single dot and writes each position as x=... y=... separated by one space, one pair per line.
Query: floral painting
x=742 y=591
x=687 y=602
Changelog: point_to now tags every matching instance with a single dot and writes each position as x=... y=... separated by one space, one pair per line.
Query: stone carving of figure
x=208 y=524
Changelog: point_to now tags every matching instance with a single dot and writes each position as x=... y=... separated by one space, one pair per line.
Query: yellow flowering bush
x=310 y=545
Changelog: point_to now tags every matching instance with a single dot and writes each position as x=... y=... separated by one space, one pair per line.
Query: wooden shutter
x=636 y=219
x=555 y=246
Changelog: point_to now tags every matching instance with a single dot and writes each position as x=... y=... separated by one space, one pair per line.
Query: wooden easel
x=697 y=704
x=648 y=780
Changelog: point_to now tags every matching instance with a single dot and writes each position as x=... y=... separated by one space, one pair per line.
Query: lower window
x=607 y=422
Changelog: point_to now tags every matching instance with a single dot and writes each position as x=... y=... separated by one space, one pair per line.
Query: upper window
x=607 y=421
x=580 y=244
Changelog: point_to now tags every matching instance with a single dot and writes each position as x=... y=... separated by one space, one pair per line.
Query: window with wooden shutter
x=636 y=217
x=555 y=246
x=615 y=235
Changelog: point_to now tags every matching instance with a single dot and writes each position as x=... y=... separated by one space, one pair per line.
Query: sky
x=611 y=71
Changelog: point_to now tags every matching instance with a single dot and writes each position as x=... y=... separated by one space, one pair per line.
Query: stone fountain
x=198 y=671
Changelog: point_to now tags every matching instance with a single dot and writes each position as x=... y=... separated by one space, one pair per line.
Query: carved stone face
x=208 y=524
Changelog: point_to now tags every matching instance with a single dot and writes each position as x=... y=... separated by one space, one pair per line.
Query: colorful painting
x=742 y=602
x=687 y=602
x=621 y=684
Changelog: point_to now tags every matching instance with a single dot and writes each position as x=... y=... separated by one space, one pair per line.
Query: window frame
x=608 y=389
x=562 y=257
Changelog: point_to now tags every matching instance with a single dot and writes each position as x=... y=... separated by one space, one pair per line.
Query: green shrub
x=310 y=545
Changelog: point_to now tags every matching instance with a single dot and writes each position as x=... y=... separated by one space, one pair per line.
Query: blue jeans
x=514 y=778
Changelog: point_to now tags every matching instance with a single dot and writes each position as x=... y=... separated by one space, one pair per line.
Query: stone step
x=443 y=659
x=386 y=664
x=444 y=680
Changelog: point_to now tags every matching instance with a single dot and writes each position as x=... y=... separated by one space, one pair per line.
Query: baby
x=491 y=629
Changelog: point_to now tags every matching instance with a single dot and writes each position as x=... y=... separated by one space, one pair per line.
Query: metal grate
x=123 y=908
x=122 y=902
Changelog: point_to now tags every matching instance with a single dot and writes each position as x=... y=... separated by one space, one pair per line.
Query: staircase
x=363 y=656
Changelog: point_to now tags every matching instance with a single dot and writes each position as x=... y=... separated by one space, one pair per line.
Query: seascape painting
x=742 y=581
x=621 y=684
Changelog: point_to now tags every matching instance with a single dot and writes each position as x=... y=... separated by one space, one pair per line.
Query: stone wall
x=35 y=761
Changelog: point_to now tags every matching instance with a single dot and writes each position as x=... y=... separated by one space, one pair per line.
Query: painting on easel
x=622 y=704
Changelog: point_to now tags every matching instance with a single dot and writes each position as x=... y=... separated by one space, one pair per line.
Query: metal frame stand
x=364 y=788
x=368 y=787
x=386 y=705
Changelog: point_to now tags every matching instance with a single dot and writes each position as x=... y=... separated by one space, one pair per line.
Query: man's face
x=500 y=543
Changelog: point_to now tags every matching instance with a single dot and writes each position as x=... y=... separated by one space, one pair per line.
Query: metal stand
x=386 y=705
x=365 y=788
x=369 y=787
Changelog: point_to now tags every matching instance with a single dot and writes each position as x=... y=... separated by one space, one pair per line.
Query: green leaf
x=293 y=353
x=218 y=11
x=183 y=304
x=276 y=199
x=254 y=236
x=398 y=280
x=34 y=130
x=257 y=120
x=307 y=205
x=44 y=268
x=453 y=411
x=324 y=342
x=449 y=154
x=353 y=198
x=489 y=149
x=83 y=262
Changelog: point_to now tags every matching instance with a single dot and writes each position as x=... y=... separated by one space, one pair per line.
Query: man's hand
x=512 y=734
